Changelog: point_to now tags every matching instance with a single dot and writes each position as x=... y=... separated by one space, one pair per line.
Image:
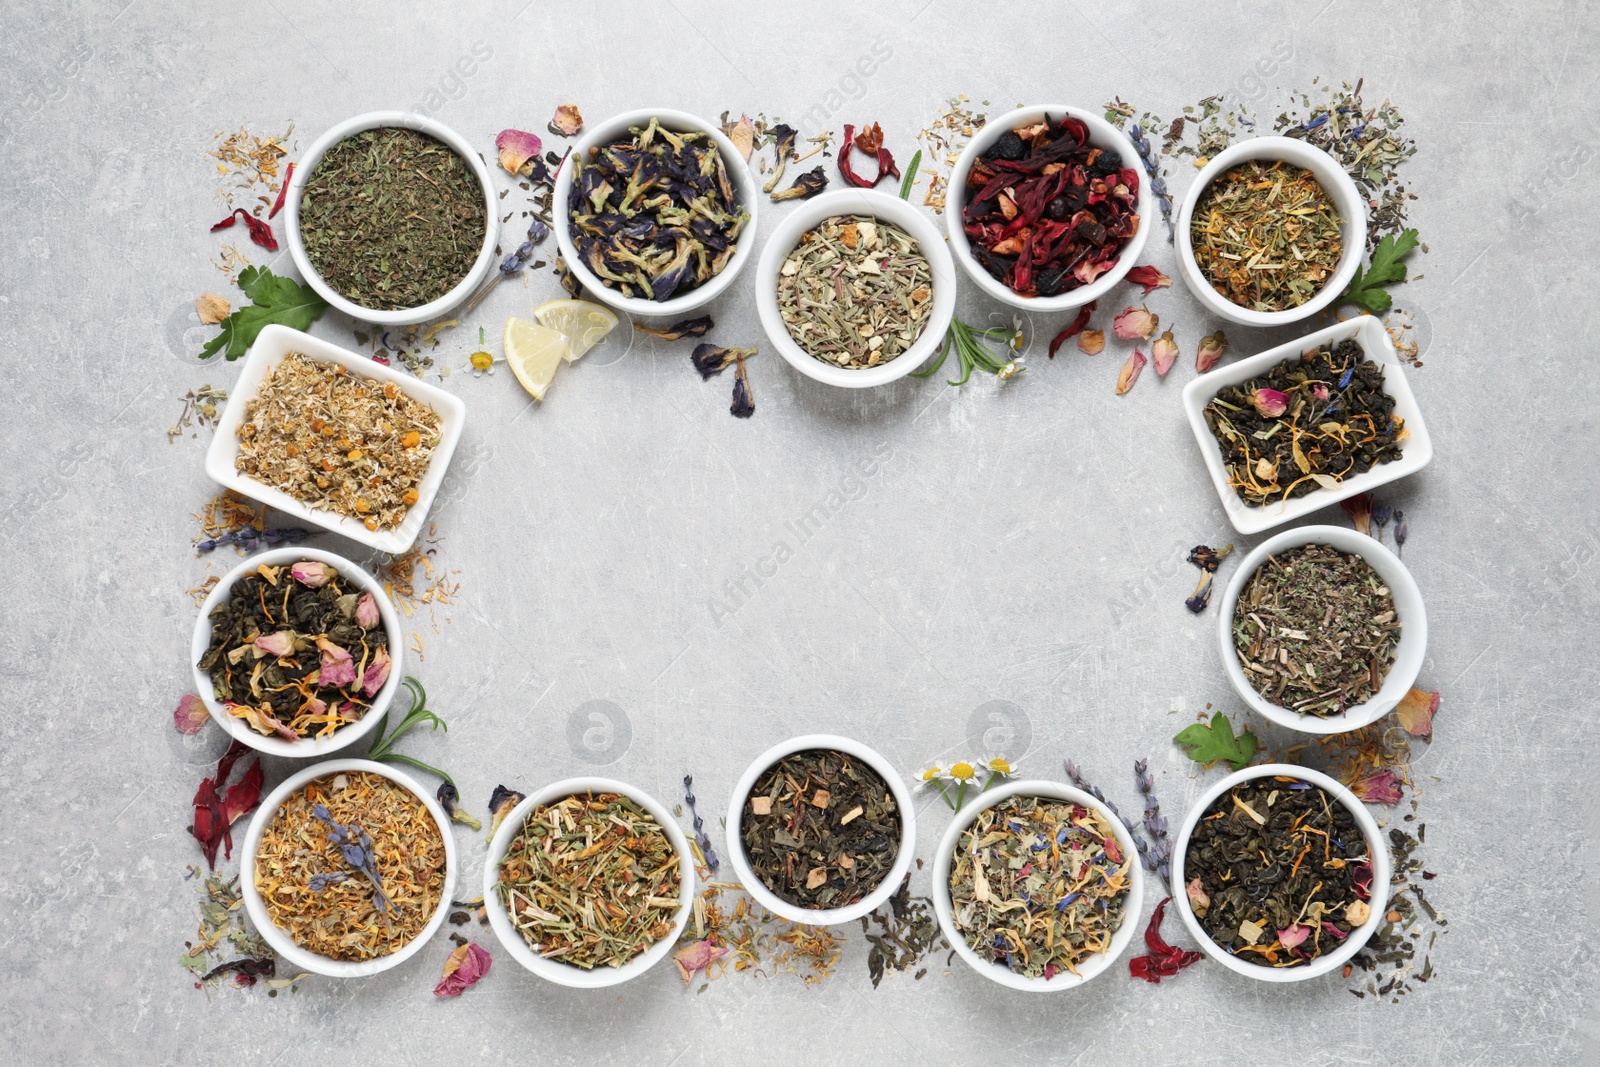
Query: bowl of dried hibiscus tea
x=1280 y=873
x=1048 y=210
x=297 y=652
x=348 y=868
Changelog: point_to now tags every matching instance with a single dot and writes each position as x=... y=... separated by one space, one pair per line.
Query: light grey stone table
x=1019 y=543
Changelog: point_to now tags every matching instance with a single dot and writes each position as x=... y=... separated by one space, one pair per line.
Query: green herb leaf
x=273 y=299
x=1210 y=743
x=911 y=176
x=1366 y=289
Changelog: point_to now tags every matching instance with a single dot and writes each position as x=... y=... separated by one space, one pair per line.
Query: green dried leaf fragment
x=1208 y=743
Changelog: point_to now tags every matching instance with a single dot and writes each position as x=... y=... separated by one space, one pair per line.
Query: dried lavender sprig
x=1381 y=514
x=1159 y=858
x=1158 y=184
x=1401 y=531
x=249 y=538
x=699 y=825
x=355 y=844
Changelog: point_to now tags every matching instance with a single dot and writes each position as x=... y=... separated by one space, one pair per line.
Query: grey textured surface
x=1019 y=543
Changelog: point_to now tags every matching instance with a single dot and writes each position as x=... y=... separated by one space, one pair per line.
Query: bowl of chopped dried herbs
x=821 y=830
x=1322 y=629
x=1307 y=424
x=297 y=652
x=856 y=288
x=589 y=882
x=1280 y=873
x=656 y=213
x=1037 y=885
x=391 y=218
x=1271 y=232
x=1047 y=208
x=348 y=868
x=335 y=439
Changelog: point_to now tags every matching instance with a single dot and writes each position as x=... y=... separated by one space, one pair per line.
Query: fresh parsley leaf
x=1366 y=290
x=1207 y=744
x=273 y=299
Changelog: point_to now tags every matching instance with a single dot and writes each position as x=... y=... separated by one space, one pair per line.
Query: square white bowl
x=270 y=348
x=1415 y=451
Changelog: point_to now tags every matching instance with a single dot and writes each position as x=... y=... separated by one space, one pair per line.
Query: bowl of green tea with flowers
x=296 y=652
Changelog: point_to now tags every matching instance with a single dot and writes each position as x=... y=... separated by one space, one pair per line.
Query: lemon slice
x=584 y=324
x=534 y=352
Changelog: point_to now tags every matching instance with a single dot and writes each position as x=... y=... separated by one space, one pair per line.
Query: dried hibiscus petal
x=213 y=815
x=1163 y=960
x=869 y=141
x=260 y=232
x=283 y=192
x=1150 y=278
x=1073 y=329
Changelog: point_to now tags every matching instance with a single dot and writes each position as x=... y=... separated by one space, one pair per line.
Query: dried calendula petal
x=211 y=308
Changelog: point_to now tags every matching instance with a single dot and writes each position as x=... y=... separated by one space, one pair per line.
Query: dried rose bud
x=1210 y=352
x=312 y=573
x=1319 y=391
x=278 y=644
x=1199 y=902
x=1164 y=352
x=1270 y=402
x=1135 y=323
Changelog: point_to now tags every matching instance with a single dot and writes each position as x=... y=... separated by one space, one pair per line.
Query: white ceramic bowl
x=565 y=973
x=1377 y=847
x=438 y=131
x=1102 y=135
x=1334 y=180
x=1409 y=653
x=1415 y=451
x=744 y=187
x=309 y=747
x=856 y=202
x=271 y=346
x=300 y=959
x=944 y=860
x=821 y=916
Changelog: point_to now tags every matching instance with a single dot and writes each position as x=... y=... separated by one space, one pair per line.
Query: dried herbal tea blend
x=392 y=219
x=1039 y=885
x=1316 y=630
x=856 y=291
x=1279 y=872
x=1307 y=424
x=591 y=880
x=656 y=215
x=1046 y=211
x=1266 y=236
x=352 y=866
x=821 y=829
x=297 y=650
x=337 y=441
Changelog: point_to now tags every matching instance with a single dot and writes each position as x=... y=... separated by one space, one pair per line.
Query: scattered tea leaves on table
x=821 y=829
x=272 y=300
x=1210 y=742
x=907 y=933
x=199 y=405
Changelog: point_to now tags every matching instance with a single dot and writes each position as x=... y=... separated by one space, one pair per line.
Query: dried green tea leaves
x=591 y=880
x=1316 y=630
x=392 y=218
x=1307 y=424
x=856 y=291
x=1039 y=885
x=1279 y=872
x=821 y=829
x=1266 y=236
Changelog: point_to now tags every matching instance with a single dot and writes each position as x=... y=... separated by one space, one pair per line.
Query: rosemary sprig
x=974 y=354
x=382 y=750
x=911 y=176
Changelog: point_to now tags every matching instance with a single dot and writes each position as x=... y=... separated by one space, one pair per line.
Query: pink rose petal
x=338 y=669
x=278 y=644
x=462 y=970
x=377 y=673
x=1294 y=936
x=1380 y=788
x=1130 y=371
x=567 y=121
x=1416 y=711
x=517 y=148
x=366 y=612
x=191 y=715
x=697 y=957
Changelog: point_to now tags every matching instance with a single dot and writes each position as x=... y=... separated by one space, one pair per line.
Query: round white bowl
x=1413 y=645
x=308 y=747
x=439 y=132
x=300 y=959
x=1102 y=135
x=1381 y=873
x=1334 y=180
x=881 y=206
x=738 y=173
x=944 y=860
x=821 y=916
x=565 y=973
